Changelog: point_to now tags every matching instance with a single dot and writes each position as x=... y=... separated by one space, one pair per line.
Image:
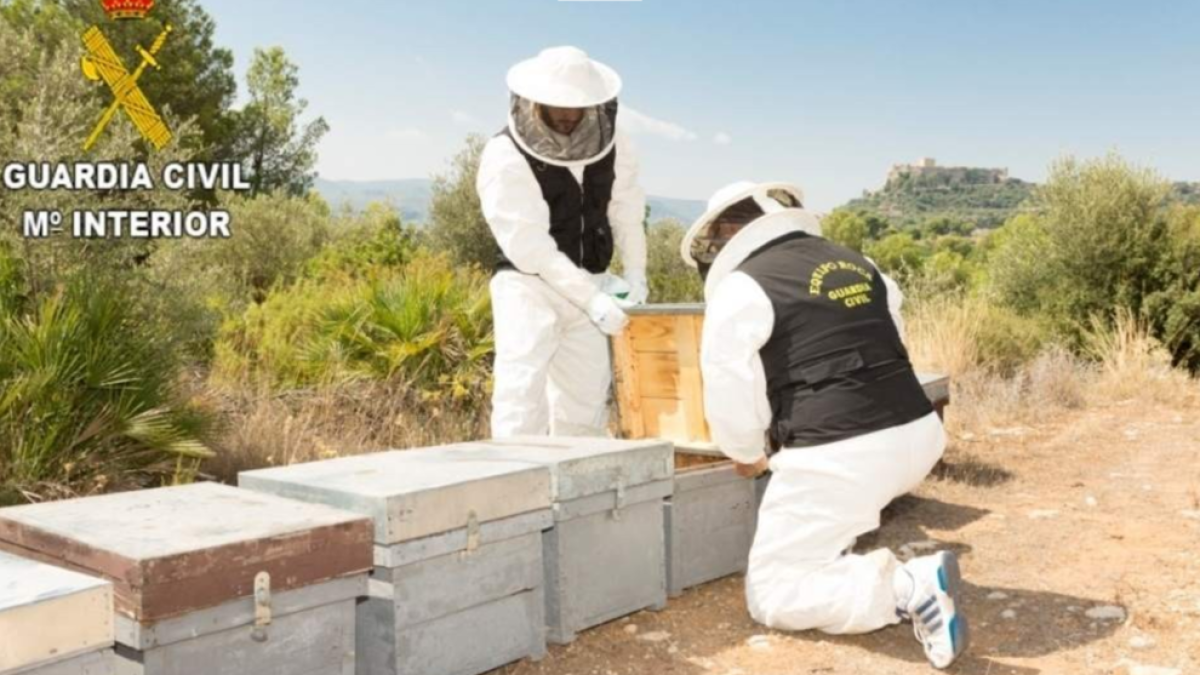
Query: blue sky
x=826 y=94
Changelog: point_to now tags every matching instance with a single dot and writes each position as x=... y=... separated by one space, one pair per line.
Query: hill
x=413 y=197
x=915 y=193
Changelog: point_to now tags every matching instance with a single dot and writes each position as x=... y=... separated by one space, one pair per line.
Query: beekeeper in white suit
x=801 y=350
x=559 y=187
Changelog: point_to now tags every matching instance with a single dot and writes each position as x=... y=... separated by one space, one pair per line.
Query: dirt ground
x=1096 y=511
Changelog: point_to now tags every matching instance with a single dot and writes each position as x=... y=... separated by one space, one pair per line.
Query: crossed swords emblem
x=102 y=62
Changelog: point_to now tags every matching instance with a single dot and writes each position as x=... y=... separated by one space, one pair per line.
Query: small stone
x=1106 y=613
x=759 y=642
x=655 y=636
x=1147 y=487
x=723 y=626
x=1072 y=609
x=632 y=629
x=1190 y=514
x=1141 y=642
x=1090 y=501
x=672 y=650
x=997 y=595
x=1008 y=614
x=1040 y=514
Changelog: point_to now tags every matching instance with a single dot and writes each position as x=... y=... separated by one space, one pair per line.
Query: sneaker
x=934 y=607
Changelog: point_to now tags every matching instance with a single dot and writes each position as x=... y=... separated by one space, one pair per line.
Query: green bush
x=1101 y=239
x=670 y=279
x=88 y=397
x=427 y=325
x=1006 y=341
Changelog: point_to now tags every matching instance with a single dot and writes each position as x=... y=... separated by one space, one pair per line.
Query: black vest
x=835 y=365
x=578 y=213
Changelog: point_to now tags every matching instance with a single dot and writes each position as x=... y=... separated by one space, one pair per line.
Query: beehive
x=457 y=587
x=605 y=557
x=53 y=621
x=209 y=579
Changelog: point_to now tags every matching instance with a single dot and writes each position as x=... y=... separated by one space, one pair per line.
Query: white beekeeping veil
x=564 y=77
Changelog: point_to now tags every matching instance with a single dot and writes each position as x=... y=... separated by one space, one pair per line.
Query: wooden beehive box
x=211 y=579
x=457 y=587
x=657 y=380
x=656 y=375
x=53 y=620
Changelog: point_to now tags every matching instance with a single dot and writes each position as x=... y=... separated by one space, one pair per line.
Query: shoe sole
x=950 y=580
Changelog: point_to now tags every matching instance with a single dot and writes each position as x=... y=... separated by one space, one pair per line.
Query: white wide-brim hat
x=564 y=77
x=731 y=194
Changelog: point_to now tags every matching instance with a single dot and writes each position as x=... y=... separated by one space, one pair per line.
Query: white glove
x=639 y=290
x=608 y=316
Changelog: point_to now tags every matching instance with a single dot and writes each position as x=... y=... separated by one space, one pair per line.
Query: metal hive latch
x=262 y=606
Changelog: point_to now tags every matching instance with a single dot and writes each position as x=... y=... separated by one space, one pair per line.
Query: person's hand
x=606 y=314
x=639 y=290
x=752 y=470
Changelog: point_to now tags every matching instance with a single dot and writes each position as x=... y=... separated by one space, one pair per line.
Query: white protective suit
x=552 y=372
x=820 y=498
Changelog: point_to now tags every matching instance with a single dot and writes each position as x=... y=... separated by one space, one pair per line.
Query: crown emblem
x=127 y=9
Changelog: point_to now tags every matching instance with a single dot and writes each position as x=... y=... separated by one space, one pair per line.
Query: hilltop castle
x=927 y=170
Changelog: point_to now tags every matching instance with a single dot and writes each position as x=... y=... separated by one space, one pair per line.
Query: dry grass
x=1132 y=364
x=993 y=389
x=271 y=429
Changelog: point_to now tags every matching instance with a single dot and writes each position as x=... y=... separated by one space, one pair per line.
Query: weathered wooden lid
x=170 y=551
x=48 y=614
x=412 y=493
x=582 y=466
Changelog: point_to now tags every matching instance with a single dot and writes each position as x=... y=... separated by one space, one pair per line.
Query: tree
x=670 y=279
x=898 y=254
x=196 y=80
x=277 y=152
x=846 y=228
x=456 y=223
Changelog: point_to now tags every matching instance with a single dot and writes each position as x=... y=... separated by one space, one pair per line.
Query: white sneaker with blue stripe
x=934 y=607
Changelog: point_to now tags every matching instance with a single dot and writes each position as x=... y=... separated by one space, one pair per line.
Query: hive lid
x=49 y=614
x=582 y=466
x=936 y=386
x=683 y=308
x=412 y=493
x=171 y=551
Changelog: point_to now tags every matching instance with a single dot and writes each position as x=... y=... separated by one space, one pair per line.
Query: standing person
x=801 y=347
x=558 y=187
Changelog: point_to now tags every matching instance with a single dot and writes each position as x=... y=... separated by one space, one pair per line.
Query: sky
x=826 y=94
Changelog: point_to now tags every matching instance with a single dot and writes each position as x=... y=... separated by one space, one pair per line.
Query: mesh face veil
x=592 y=138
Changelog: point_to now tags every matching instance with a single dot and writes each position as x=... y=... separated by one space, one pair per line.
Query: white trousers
x=552 y=373
x=819 y=500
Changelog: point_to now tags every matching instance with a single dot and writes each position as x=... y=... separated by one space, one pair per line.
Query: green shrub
x=427 y=325
x=1005 y=340
x=670 y=279
x=88 y=397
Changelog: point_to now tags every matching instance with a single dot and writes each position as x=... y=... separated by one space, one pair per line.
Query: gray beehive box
x=710 y=521
x=209 y=579
x=53 y=621
x=457 y=587
x=606 y=555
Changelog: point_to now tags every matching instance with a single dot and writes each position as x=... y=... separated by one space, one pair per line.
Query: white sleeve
x=627 y=210
x=738 y=321
x=895 y=299
x=519 y=219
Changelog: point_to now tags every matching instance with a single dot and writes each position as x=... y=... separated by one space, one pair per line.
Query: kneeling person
x=801 y=348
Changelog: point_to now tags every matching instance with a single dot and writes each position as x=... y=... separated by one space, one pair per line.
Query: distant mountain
x=412 y=197
x=915 y=193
